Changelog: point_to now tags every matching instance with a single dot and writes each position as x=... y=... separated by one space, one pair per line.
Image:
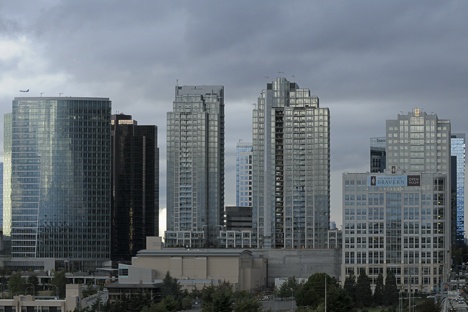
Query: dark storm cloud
x=366 y=60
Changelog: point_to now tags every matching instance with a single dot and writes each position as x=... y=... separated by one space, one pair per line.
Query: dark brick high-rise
x=135 y=186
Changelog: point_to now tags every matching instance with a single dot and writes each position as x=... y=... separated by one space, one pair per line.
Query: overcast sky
x=367 y=61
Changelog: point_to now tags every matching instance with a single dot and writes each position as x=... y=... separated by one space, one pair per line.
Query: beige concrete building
x=29 y=303
x=194 y=268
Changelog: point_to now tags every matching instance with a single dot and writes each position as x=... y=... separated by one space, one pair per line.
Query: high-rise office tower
x=400 y=219
x=195 y=166
x=244 y=169
x=418 y=142
x=377 y=154
x=59 y=188
x=135 y=186
x=378 y=164
x=1 y=195
x=291 y=169
x=458 y=186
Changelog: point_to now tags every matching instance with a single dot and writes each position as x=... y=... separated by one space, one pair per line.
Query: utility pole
x=325 y=293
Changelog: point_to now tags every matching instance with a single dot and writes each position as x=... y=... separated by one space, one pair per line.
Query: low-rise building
x=52 y=304
x=194 y=268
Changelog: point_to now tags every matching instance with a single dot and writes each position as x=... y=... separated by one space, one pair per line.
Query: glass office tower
x=400 y=219
x=195 y=167
x=58 y=189
x=458 y=185
x=396 y=222
x=378 y=154
x=135 y=186
x=1 y=195
x=291 y=170
x=244 y=156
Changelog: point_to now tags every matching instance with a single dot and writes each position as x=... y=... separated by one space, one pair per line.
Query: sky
x=366 y=60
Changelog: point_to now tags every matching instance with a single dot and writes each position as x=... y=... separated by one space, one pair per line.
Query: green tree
x=3 y=280
x=155 y=307
x=217 y=299
x=16 y=284
x=349 y=287
x=390 y=290
x=171 y=287
x=363 y=288
x=338 y=300
x=169 y=303
x=428 y=305
x=245 y=302
x=288 y=288
x=34 y=282
x=60 y=280
x=187 y=303
x=379 y=290
x=134 y=302
x=312 y=294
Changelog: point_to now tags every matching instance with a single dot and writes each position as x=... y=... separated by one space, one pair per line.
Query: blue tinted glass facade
x=60 y=178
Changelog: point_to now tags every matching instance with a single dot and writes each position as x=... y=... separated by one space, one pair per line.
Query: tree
x=187 y=303
x=60 y=280
x=217 y=299
x=245 y=302
x=168 y=304
x=3 y=280
x=171 y=287
x=428 y=305
x=338 y=300
x=34 y=281
x=312 y=292
x=155 y=307
x=379 y=290
x=349 y=287
x=134 y=302
x=222 y=300
x=16 y=284
x=363 y=288
x=288 y=288
x=390 y=290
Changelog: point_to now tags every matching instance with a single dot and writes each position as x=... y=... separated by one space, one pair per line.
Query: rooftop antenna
x=60 y=94
x=177 y=82
x=42 y=93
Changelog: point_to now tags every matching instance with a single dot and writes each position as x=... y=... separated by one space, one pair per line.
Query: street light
x=292 y=301
x=56 y=289
x=33 y=288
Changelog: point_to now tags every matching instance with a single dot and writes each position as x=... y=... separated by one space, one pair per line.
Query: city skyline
x=365 y=60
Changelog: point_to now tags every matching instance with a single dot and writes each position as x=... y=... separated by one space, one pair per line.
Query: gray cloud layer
x=366 y=60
